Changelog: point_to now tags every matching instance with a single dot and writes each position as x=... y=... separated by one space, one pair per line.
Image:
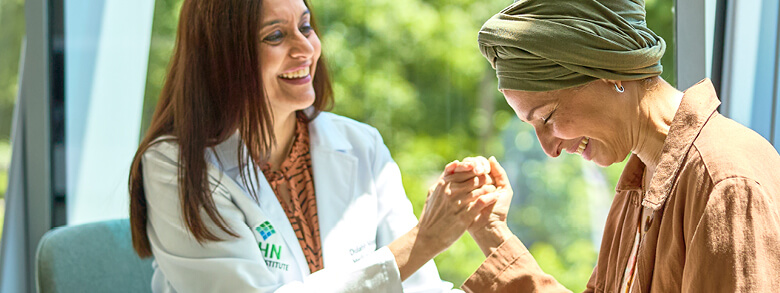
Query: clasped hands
x=471 y=195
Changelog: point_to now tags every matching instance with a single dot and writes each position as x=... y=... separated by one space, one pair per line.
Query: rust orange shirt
x=714 y=223
x=295 y=178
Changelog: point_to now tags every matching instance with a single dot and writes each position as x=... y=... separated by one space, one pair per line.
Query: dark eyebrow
x=273 y=22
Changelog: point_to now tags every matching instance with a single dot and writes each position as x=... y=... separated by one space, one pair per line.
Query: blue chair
x=94 y=257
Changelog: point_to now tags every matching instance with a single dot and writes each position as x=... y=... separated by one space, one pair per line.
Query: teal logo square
x=266 y=230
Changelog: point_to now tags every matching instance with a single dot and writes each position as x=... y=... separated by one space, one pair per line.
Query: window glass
x=751 y=66
x=106 y=47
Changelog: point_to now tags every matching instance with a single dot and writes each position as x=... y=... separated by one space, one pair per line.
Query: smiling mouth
x=298 y=74
x=583 y=145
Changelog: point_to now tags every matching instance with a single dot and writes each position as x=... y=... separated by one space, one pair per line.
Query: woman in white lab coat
x=243 y=184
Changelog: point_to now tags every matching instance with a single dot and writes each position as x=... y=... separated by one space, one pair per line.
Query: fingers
x=477 y=200
x=470 y=167
x=469 y=192
x=460 y=183
x=468 y=175
x=480 y=164
x=476 y=165
x=461 y=177
x=498 y=173
x=468 y=198
x=482 y=202
x=481 y=191
x=464 y=167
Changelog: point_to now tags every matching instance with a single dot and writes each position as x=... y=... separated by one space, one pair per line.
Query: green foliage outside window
x=11 y=33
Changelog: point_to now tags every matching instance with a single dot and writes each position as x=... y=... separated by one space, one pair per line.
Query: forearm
x=490 y=237
x=412 y=251
x=509 y=266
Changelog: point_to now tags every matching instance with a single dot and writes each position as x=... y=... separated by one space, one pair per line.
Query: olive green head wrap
x=544 y=45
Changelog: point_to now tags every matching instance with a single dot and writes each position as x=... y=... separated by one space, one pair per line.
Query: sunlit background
x=412 y=69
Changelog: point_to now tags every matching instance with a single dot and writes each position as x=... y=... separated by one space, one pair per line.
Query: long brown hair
x=212 y=89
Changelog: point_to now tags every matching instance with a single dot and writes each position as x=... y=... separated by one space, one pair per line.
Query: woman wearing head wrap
x=697 y=207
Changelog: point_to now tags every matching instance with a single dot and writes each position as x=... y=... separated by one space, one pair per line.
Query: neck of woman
x=657 y=109
x=284 y=130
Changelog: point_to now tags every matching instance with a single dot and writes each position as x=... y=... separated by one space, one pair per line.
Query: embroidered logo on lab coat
x=265 y=230
x=272 y=252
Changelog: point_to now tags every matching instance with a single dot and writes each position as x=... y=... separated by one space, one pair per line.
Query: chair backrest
x=94 y=257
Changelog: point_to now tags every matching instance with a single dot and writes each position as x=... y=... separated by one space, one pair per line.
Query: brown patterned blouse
x=295 y=178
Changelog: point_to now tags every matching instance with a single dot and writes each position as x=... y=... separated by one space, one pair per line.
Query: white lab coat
x=361 y=204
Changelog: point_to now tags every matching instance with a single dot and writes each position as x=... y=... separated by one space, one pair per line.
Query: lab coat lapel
x=271 y=207
x=334 y=170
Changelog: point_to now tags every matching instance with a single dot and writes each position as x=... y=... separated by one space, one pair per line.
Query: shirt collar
x=631 y=178
x=322 y=134
x=299 y=147
x=698 y=104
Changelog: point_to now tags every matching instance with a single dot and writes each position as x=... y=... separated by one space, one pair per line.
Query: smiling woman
x=698 y=203
x=244 y=184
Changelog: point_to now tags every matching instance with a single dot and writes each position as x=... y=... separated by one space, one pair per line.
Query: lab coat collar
x=323 y=133
x=334 y=169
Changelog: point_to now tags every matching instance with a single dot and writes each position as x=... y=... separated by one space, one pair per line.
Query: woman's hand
x=463 y=190
x=490 y=229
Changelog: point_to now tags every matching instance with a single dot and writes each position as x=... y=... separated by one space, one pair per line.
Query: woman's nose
x=550 y=144
x=302 y=47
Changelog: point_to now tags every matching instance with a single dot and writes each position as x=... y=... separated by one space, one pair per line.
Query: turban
x=544 y=45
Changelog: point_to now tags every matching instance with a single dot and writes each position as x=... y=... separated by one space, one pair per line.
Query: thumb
x=498 y=173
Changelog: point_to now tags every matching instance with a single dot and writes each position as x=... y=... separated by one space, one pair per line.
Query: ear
x=612 y=82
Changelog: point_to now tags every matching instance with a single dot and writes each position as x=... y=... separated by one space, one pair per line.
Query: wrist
x=491 y=236
x=431 y=243
x=412 y=250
